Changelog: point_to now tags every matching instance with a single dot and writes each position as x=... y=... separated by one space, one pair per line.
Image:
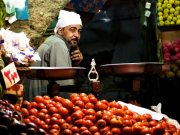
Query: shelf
x=169 y=28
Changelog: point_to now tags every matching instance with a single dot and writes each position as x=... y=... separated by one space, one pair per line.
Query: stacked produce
x=11 y=124
x=171 y=51
x=168 y=12
x=84 y=114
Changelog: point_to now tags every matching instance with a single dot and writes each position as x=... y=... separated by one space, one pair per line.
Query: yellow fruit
x=172 y=10
x=176 y=13
x=166 y=2
x=172 y=15
x=160 y=9
x=159 y=4
x=170 y=74
x=177 y=3
x=166 y=11
x=178 y=17
x=165 y=16
x=164 y=6
x=160 y=1
x=174 y=19
x=160 y=13
x=171 y=1
x=167 y=23
x=169 y=18
x=177 y=8
x=160 y=18
x=169 y=5
x=161 y=23
x=178 y=22
x=172 y=22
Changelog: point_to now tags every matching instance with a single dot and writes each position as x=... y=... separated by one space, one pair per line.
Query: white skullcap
x=67 y=18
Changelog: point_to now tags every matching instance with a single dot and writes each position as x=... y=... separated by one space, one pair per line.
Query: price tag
x=147 y=13
x=10 y=75
x=148 y=5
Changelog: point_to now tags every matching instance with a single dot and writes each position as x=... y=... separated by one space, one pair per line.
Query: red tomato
x=73 y=100
x=67 y=132
x=99 y=114
x=80 y=103
x=38 y=99
x=46 y=97
x=93 y=99
x=75 y=129
x=32 y=105
x=89 y=105
x=93 y=129
x=41 y=115
x=104 y=130
x=100 y=106
x=116 y=131
x=116 y=121
x=56 y=99
x=90 y=117
x=87 y=123
x=90 y=112
x=24 y=112
x=55 y=126
x=72 y=95
x=61 y=121
x=77 y=115
x=52 y=110
x=101 y=123
x=68 y=104
x=114 y=104
x=41 y=106
x=54 y=131
x=97 y=133
x=83 y=95
x=127 y=131
x=85 y=99
x=57 y=115
x=25 y=104
x=82 y=128
x=44 y=110
x=65 y=126
x=64 y=112
x=86 y=132
x=78 y=122
x=54 y=120
x=26 y=121
x=33 y=111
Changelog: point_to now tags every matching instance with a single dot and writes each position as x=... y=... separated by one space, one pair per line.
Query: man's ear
x=60 y=31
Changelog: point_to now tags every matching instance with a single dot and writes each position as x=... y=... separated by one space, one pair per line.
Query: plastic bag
x=171 y=121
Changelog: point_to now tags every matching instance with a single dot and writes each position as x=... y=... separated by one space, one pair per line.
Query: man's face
x=71 y=34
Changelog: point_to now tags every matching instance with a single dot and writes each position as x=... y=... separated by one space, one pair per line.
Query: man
x=55 y=51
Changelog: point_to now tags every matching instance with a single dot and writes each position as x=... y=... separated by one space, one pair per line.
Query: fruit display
x=84 y=114
x=168 y=12
x=171 y=53
x=11 y=122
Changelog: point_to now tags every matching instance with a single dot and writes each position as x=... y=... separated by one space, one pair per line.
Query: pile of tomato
x=84 y=114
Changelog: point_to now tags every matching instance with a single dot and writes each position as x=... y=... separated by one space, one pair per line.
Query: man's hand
x=76 y=57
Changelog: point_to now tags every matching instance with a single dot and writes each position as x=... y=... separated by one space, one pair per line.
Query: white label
x=147 y=13
x=148 y=5
x=10 y=75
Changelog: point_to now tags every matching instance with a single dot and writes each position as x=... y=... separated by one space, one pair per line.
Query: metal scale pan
x=146 y=68
x=49 y=73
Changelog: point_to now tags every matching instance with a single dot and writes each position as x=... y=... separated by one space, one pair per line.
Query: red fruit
x=116 y=131
x=100 y=106
x=93 y=129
